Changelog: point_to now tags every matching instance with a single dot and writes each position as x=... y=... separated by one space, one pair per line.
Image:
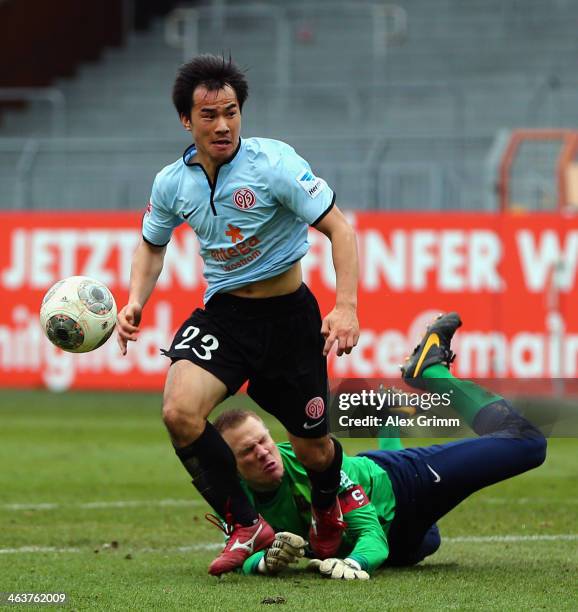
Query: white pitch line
x=96 y=505
x=216 y=545
x=513 y=538
x=186 y=549
x=37 y=549
x=137 y=503
x=522 y=501
x=128 y=549
x=45 y=506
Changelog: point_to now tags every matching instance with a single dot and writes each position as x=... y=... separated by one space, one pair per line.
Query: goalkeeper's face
x=258 y=458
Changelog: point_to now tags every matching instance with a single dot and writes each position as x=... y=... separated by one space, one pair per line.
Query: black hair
x=213 y=73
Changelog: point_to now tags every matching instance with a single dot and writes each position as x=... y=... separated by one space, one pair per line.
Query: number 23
x=208 y=342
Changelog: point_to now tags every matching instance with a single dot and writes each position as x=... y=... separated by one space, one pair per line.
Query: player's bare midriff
x=282 y=284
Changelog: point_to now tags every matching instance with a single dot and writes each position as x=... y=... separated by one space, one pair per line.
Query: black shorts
x=274 y=343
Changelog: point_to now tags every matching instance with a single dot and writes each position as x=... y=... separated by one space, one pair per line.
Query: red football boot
x=242 y=543
x=327 y=527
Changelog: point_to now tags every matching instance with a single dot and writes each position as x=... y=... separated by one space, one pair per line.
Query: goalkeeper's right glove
x=338 y=569
x=287 y=548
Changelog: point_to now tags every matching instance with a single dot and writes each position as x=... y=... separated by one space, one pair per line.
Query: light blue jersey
x=252 y=223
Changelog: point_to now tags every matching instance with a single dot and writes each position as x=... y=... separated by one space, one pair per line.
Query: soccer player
x=250 y=202
x=391 y=500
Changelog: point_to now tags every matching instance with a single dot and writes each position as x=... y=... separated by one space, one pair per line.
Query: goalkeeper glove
x=339 y=569
x=287 y=548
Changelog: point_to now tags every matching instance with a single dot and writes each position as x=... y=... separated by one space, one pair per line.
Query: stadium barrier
x=511 y=277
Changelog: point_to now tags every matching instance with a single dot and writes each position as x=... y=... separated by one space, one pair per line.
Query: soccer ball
x=78 y=314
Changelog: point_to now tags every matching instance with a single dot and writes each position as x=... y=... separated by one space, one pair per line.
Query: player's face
x=258 y=458
x=215 y=123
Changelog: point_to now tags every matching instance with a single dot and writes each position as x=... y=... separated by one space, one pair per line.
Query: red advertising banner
x=512 y=278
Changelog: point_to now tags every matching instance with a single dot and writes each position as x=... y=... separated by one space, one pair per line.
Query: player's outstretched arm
x=370 y=546
x=341 y=324
x=147 y=264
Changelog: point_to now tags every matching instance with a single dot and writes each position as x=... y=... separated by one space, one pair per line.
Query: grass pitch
x=93 y=502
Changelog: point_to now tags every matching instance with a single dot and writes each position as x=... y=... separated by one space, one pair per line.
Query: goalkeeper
x=391 y=500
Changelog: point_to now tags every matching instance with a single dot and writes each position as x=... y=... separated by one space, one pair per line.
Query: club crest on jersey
x=244 y=198
x=312 y=185
x=315 y=408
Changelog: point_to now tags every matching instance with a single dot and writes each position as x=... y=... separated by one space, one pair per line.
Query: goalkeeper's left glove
x=287 y=548
x=339 y=569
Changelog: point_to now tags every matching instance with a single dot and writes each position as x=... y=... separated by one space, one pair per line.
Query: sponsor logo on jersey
x=239 y=250
x=312 y=185
x=345 y=482
x=315 y=408
x=148 y=209
x=234 y=233
x=244 y=250
x=244 y=198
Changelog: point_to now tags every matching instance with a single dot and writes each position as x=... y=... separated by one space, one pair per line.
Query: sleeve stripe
x=153 y=244
x=324 y=212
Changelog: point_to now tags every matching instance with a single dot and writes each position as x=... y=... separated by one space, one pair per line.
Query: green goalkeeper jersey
x=366 y=498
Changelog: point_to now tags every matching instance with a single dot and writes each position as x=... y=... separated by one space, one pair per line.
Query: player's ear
x=186 y=121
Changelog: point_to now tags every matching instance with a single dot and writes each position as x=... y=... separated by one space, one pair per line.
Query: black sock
x=324 y=485
x=212 y=465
